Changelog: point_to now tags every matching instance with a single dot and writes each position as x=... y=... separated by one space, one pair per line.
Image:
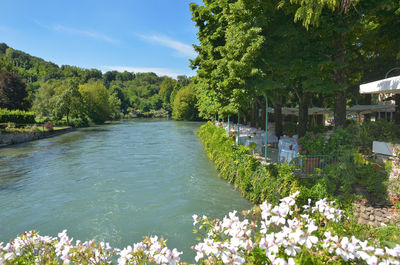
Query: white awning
x=365 y=109
x=388 y=85
x=295 y=111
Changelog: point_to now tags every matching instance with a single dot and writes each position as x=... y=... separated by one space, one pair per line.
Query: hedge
x=17 y=116
x=256 y=182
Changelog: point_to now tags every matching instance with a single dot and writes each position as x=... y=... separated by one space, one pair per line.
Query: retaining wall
x=17 y=138
x=376 y=216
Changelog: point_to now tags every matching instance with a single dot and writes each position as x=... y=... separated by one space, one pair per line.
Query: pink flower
x=312 y=135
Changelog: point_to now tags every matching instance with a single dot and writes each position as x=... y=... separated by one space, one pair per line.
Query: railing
x=309 y=164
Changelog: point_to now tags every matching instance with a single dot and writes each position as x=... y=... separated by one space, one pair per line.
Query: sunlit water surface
x=114 y=183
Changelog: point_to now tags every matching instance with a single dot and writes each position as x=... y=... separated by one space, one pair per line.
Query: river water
x=114 y=183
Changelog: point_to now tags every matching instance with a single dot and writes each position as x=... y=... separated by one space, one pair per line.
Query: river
x=114 y=183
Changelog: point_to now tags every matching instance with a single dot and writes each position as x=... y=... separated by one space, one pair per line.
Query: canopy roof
x=364 y=109
x=295 y=111
x=388 y=85
x=356 y=109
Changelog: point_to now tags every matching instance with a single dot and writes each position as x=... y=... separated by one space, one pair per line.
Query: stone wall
x=17 y=138
x=376 y=216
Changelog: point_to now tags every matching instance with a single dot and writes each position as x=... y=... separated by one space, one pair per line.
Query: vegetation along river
x=114 y=183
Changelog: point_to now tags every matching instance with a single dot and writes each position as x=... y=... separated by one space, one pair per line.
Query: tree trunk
x=397 y=110
x=340 y=78
x=253 y=114
x=320 y=119
x=303 y=114
x=278 y=118
x=340 y=109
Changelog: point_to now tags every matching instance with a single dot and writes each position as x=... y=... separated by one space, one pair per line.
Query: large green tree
x=184 y=107
x=13 y=94
x=96 y=99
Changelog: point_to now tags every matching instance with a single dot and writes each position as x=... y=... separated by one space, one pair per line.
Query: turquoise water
x=114 y=183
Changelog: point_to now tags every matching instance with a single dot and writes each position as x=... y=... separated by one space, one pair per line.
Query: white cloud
x=182 y=49
x=85 y=33
x=158 y=71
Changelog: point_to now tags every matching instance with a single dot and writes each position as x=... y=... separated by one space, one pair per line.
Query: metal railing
x=309 y=164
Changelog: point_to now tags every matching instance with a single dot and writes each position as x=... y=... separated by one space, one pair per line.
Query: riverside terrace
x=283 y=150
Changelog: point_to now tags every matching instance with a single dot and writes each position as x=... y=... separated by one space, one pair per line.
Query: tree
x=345 y=26
x=43 y=104
x=96 y=99
x=69 y=102
x=13 y=94
x=184 y=107
x=166 y=88
x=115 y=106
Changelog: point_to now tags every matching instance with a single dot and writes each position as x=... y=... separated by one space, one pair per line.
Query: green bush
x=364 y=134
x=17 y=116
x=256 y=182
x=79 y=122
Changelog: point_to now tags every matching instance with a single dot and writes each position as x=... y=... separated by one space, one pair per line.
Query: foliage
x=96 y=99
x=320 y=144
x=16 y=116
x=345 y=172
x=69 y=103
x=13 y=94
x=394 y=178
x=79 y=122
x=11 y=128
x=352 y=171
x=115 y=106
x=364 y=134
x=184 y=107
x=286 y=233
x=289 y=128
x=161 y=113
x=51 y=89
x=312 y=144
x=256 y=182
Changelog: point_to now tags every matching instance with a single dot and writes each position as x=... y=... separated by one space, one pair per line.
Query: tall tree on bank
x=228 y=47
x=13 y=94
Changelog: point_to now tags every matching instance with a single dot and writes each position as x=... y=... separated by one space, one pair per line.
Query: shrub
x=17 y=116
x=362 y=135
x=312 y=144
x=256 y=182
x=79 y=122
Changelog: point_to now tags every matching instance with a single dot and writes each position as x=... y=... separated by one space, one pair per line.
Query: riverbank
x=7 y=139
x=256 y=181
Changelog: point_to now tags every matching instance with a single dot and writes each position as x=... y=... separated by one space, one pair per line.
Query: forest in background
x=79 y=96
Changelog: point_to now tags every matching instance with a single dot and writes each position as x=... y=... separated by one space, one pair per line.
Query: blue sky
x=134 y=35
